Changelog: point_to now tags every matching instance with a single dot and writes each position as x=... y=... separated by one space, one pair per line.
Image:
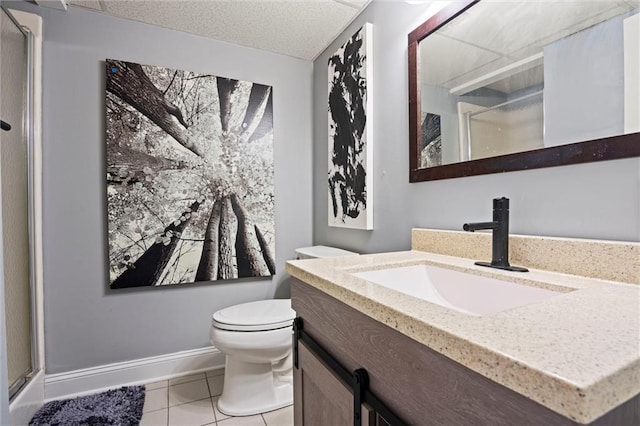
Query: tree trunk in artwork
x=129 y=82
x=226 y=87
x=266 y=122
x=256 y=110
x=248 y=253
x=228 y=225
x=208 y=266
x=266 y=252
x=126 y=165
x=147 y=270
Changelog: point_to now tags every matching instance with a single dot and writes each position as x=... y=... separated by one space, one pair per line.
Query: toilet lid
x=255 y=316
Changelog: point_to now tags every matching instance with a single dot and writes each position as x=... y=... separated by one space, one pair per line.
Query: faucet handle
x=501 y=203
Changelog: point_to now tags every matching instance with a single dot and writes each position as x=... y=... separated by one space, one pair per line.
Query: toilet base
x=251 y=388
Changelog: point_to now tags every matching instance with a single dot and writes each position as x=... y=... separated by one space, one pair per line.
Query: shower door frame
x=24 y=397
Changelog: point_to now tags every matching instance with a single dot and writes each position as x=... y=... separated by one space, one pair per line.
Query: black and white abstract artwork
x=431 y=149
x=350 y=138
x=190 y=177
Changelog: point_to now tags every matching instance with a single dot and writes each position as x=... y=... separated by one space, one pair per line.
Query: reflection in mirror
x=499 y=78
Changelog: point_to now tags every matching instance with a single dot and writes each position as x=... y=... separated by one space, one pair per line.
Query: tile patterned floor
x=190 y=401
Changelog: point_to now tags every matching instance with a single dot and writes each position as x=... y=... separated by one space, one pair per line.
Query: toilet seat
x=262 y=315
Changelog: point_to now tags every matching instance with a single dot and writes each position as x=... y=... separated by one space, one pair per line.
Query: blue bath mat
x=121 y=407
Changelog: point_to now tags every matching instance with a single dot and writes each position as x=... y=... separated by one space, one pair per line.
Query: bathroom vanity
x=572 y=358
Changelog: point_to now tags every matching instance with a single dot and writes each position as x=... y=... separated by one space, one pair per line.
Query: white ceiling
x=298 y=28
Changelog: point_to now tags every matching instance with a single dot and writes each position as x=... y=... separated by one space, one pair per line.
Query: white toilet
x=256 y=338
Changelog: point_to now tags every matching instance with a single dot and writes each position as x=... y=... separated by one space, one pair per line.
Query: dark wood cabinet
x=321 y=398
x=416 y=383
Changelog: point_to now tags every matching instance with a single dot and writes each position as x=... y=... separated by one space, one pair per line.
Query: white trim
x=135 y=372
x=28 y=401
x=631 y=28
x=33 y=23
x=499 y=74
x=32 y=396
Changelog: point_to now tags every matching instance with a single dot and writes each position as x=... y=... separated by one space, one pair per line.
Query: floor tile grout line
x=216 y=421
x=215 y=418
x=208 y=387
x=153 y=411
x=167 y=410
x=213 y=407
x=156 y=388
x=189 y=402
x=169 y=386
x=188 y=381
x=168 y=403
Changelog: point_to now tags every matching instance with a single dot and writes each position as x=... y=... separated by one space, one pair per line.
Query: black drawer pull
x=5 y=126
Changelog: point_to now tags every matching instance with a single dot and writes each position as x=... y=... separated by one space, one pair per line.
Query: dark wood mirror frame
x=611 y=148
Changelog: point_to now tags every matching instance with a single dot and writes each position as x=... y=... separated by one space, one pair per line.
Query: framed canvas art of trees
x=190 y=177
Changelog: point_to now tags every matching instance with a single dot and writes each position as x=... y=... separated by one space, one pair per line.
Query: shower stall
x=21 y=348
x=506 y=127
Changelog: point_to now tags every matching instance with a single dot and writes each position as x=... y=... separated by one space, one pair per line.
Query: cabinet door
x=320 y=398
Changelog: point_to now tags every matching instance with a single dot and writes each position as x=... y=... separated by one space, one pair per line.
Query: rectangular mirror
x=498 y=86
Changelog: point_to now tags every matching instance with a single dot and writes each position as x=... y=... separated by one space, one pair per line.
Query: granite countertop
x=577 y=353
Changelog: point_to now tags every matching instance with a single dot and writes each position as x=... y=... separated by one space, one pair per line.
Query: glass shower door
x=14 y=172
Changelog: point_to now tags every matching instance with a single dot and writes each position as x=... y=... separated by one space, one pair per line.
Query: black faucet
x=500 y=244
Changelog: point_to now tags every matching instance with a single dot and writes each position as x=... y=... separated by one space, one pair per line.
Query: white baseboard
x=136 y=372
x=28 y=401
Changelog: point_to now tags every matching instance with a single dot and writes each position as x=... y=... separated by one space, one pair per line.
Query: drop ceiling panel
x=462 y=58
x=298 y=28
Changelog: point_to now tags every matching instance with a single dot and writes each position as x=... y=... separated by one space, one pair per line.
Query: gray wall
x=584 y=85
x=86 y=324
x=597 y=200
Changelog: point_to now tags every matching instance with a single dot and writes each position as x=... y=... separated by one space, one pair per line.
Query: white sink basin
x=463 y=292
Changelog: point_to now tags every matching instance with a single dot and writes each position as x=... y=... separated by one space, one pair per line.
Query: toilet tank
x=316 y=252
